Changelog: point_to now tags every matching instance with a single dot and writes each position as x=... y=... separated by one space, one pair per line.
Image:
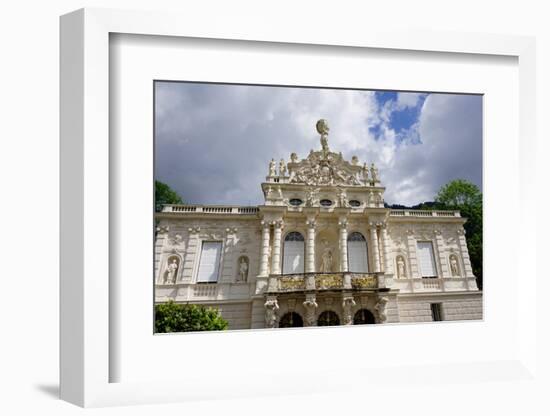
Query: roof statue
x=323 y=129
x=326 y=168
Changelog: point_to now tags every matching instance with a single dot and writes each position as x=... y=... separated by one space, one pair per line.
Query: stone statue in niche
x=326 y=259
x=272 y=170
x=454 y=266
x=401 y=268
x=243 y=269
x=282 y=168
x=171 y=271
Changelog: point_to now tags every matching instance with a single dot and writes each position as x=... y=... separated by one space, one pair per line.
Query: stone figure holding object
x=171 y=270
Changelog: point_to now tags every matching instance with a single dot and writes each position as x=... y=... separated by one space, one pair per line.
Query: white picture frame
x=86 y=218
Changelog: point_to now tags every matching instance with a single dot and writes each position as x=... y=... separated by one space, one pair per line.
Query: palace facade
x=321 y=250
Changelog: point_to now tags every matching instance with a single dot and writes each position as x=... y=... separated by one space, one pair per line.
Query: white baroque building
x=321 y=250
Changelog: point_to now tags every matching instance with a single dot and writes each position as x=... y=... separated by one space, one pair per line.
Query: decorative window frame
x=86 y=358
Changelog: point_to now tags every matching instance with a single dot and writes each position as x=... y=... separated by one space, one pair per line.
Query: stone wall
x=417 y=308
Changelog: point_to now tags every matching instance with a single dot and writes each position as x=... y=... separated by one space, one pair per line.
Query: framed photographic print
x=225 y=196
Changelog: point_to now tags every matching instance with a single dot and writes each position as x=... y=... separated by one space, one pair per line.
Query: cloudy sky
x=213 y=142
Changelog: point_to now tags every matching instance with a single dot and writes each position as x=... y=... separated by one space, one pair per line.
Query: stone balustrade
x=418 y=213
x=194 y=209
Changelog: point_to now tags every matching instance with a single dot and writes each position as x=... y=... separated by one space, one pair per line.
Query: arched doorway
x=363 y=316
x=328 y=318
x=291 y=320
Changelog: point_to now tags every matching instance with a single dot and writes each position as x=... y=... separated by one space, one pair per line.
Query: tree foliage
x=165 y=195
x=467 y=198
x=173 y=317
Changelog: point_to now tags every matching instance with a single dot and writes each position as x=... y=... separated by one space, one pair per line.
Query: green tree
x=165 y=195
x=467 y=198
x=173 y=317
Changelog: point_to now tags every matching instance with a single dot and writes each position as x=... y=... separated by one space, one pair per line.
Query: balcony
x=308 y=282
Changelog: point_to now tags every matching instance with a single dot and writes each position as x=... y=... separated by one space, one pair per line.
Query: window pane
x=426 y=259
x=209 y=265
x=357 y=256
x=293 y=257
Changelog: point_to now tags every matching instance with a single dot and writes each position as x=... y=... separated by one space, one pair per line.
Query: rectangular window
x=426 y=259
x=436 y=312
x=293 y=257
x=209 y=263
x=357 y=257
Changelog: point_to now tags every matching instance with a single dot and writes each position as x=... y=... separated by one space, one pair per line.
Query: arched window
x=328 y=318
x=291 y=320
x=357 y=253
x=363 y=316
x=293 y=253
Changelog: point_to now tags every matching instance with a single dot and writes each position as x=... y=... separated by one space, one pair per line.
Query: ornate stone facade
x=349 y=256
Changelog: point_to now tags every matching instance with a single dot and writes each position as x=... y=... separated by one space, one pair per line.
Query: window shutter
x=426 y=259
x=293 y=257
x=209 y=264
x=357 y=257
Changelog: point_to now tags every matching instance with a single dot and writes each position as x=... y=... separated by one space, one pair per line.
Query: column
x=375 y=249
x=310 y=246
x=468 y=272
x=411 y=245
x=440 y=246
x=343 y=224
x=276 y=257
x=265 y=249
x=388 y=264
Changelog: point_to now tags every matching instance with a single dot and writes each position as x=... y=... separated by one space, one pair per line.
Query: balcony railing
x=422 y=213
x=213 y=209
x=323 y=281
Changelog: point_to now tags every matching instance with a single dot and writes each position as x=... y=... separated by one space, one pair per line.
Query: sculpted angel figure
x=293 y=157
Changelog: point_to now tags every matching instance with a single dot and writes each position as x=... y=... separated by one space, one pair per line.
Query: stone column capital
x=311 y=223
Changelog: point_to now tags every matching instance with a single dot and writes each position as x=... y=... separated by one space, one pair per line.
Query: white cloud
x=214 y=142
